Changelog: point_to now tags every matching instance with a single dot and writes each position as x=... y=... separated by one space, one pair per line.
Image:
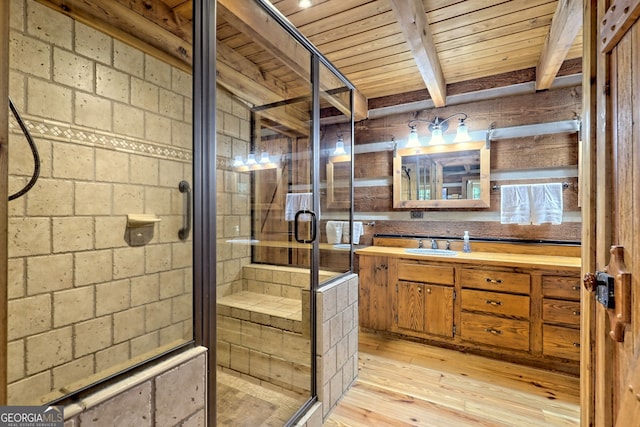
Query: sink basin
x=429 y=251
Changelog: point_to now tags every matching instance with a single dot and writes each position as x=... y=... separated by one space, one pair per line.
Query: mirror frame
x=332 y=201
x=485 y=197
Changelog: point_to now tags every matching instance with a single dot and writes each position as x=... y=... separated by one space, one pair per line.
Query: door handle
x=613 y=290
x=314 y=227
x=184 y=188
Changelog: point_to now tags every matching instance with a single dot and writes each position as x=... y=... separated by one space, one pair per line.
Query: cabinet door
x=374 y=310
x=425 y=308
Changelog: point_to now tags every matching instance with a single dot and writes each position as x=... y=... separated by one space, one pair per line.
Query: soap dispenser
x=466 y=247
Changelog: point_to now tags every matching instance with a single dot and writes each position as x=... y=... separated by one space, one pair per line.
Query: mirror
x=339 y=181
x=442 y=176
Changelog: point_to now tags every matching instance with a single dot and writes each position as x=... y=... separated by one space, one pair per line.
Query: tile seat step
x=279 y=312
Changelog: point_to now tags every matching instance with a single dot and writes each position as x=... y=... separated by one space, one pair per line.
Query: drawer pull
x=575 y=288
x=576 y=344
x=428 y=290
x=490 y=280
x=493 y=331
x=576 y=312
x=495 y=303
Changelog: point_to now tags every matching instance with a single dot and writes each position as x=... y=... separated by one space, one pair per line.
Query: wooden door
x=611 y=137
x=411 y=313
x=374 y=311
x=438 y=311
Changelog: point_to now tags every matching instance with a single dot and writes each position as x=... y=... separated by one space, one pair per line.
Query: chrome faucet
x=434 y=244
x=448 y=245
x=420 y=243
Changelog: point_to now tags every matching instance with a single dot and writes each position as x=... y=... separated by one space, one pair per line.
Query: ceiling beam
x=415 y=28
x=565 y=25
x=258 y=25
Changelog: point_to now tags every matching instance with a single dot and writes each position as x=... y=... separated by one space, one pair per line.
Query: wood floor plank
x=403 y=383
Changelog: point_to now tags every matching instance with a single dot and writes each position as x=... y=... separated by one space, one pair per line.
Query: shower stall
x=108 y=269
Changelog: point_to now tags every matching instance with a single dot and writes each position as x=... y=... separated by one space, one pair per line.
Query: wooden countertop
x=485 y=258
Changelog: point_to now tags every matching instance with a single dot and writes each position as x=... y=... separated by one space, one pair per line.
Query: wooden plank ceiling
x=386 y=48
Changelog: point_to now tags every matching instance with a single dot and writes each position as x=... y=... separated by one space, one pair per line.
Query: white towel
x=295 y=202
x=546 y=203
x=357 y=232
x=515 y=207
x=334 y=232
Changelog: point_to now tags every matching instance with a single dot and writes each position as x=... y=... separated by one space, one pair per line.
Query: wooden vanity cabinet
x=424 y=299
x=495 y=308
x=374 y=309
x=527 y=313
x=561 y=316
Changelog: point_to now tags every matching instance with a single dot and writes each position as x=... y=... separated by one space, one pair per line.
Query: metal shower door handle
x=184 y=188
x=314 y=228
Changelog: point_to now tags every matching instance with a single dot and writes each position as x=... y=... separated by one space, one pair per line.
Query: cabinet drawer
x=561 y=342
x=560 y=311
x=561 y=287
x=414 y=272
x=492 y=280
x=497 y=331
x=495 y=303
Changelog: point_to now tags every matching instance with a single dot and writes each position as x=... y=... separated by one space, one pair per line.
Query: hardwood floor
x=403 y=383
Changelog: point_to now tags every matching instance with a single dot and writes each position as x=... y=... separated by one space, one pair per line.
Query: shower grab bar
x=184 y=188
x=34 y=152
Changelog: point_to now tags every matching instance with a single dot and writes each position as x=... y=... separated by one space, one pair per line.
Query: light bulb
x=413 y=140
x=462 y=134
x=237 y=163
x=251 y=159
x=264 y=158
x=339 y=147
x=436 y=136
x=304 y=3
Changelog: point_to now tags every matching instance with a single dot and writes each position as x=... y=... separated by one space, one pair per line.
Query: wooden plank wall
x=518 y=160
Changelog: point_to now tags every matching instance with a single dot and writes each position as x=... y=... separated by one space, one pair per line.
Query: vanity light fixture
x=339 y=151
x=437 y=126
x=251 y=164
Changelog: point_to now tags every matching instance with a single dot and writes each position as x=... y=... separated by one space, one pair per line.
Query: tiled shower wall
x=233 y=195
x=113 y=127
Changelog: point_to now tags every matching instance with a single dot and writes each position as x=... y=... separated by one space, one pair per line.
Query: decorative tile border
x=64 y=132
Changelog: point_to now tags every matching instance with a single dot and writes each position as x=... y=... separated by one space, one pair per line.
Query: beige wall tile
x=179 y=392
x=128 y=199
x=167 y=229
x=157 y=257
x=181 y=254
x=128 y=262
x=188 y=111
x=93 y=111
x=72 y=70
x=49 y=349
x=157 y=72
x=93 y=335
x=157 y=128
x=21 y=159
x=93 y=198
x=182 y=83
x=112 y=84
x=47 y=24
x=145 y=289
x=16 y=19
x=93 y=43
x=112 y=166
x=75 y=370
x=29 y=236
x=72 y=234
x=144 y=170
x=81 y=299
x=171 y=173
x=19 y=206
x=29 y=316
x=128 y=120
x=49 y=100
x=16 y=361
x=144 y=343
x=29 y=55
x=110 y=231
x=112 y=356
x=182 y=134
x=50 y=197
x=49 y=273
x=157 y=315
x=144 y=95
x=196 y=420
x=182 y=307
x=171 y=334
x=172 y=283
x=112 y=297
x=18 y=89
x=73 y=161
x=158 y=200
x=129 y=408
x=93 y=267
x=128 y=324
x=128 y=59
x=16 y=279
x=171 y=104
x=29 y=390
